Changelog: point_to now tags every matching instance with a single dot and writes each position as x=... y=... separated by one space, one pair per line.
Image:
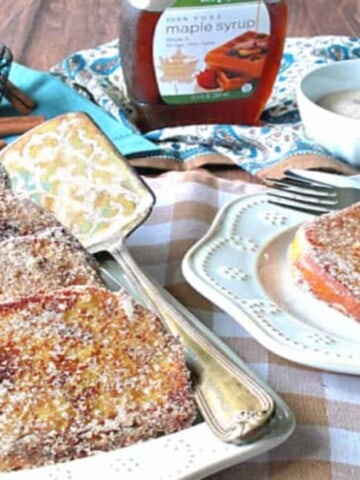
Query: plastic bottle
x=200 y=61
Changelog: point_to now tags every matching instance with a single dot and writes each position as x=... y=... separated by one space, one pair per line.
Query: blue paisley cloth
x=98 y=73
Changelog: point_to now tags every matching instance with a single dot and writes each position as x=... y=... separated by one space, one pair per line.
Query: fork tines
x=310 y=196
x=296 y=205
x=301 y=194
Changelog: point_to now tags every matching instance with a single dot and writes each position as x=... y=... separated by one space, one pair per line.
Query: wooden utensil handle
x=235 y=407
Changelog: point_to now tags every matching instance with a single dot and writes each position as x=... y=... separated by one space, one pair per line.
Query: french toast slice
x=324 y=256
x=86 y=370
x=20 y=216
x=44 y=262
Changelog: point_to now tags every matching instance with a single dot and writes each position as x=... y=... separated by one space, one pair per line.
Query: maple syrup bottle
x=190 y=62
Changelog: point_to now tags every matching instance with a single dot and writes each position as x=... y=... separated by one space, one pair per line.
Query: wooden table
x=42 y=33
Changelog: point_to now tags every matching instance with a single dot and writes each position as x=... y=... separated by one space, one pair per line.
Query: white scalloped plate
x=240 y=265
x=191 y=454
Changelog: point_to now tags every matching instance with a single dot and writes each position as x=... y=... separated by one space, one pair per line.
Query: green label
x=206 y=50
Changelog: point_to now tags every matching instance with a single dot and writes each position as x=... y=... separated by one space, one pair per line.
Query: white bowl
x=338 y=134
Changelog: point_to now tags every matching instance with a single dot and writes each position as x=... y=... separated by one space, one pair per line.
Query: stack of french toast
x=82 y=369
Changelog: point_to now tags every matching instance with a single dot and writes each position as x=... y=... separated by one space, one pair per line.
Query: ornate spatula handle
x=234 y=406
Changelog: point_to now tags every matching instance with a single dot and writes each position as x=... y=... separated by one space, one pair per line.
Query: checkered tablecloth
x=326 y=441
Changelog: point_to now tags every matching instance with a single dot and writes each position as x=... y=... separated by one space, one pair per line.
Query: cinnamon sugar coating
x=5 y=183
x=44 y=262
x=82 y=369
x=19 y=216
x=328 y=258
x=85 y=370
x=335 y=240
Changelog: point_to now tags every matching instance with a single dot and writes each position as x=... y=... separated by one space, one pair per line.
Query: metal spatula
x=94 y=192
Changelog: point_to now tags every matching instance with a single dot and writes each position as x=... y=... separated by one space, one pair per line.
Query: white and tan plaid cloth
x=326 y=441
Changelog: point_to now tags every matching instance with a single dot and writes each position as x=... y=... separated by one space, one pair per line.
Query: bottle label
x=210 y=50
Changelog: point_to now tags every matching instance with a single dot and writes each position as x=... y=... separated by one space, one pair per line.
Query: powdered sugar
x=330 y=250
x=43 y=262
x=73 y=394
x=82 y=369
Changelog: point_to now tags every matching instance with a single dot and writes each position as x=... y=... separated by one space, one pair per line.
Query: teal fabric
x=54 y=98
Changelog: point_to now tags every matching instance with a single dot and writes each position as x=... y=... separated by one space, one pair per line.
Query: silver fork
x=310 y=196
